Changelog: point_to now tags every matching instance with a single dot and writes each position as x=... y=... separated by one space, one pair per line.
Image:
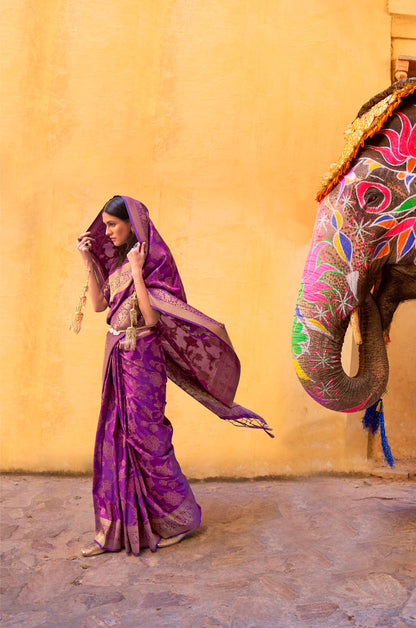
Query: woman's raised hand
x=84 y=243
x=137 y=256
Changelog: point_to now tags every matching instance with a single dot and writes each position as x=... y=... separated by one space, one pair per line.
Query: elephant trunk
x=317 y=351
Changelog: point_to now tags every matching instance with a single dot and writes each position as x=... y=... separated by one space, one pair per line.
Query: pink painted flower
x=313 y=282
x=402 y=144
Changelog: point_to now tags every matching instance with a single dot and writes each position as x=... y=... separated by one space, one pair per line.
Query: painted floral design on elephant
x=401 y=232
x=349 y=235
x=362 y=259
x=401 y=150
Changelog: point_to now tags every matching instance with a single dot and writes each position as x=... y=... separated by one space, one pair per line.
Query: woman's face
x=117 y=230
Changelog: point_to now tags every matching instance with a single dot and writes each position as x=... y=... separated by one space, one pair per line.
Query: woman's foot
x=92 y=550
x=171 y=540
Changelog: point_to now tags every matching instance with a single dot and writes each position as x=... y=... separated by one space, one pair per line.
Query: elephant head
x=361 y=263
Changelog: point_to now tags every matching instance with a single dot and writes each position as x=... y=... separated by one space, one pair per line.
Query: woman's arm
x=99 y=302
x=137 y=257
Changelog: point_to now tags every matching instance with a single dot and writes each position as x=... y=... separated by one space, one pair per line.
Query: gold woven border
x=358 y=132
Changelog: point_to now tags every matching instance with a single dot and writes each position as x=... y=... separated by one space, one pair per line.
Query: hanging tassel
x=79 y=312
x=134 y=310
x=384 y=442
x=130 y=338
x=372 y=420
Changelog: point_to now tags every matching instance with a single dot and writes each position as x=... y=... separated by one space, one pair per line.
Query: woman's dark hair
x=116 y=207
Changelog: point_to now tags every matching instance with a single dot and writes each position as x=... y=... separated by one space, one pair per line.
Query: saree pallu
x=199 y=355
x=140 y=493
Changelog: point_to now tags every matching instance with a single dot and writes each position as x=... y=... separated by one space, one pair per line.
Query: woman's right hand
x=84 y=243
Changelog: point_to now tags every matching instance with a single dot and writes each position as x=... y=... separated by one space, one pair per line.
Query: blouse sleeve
x=106 y=290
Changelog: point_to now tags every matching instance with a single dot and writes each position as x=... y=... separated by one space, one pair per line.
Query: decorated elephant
x=362 y=260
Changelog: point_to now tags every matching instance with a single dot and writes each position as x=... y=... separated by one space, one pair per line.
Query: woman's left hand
x=137 y=256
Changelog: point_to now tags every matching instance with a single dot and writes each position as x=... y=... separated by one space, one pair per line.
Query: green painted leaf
x=407 y=204
x=298 y=336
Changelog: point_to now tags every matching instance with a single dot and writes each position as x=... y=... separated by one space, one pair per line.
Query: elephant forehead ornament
x=362 y=259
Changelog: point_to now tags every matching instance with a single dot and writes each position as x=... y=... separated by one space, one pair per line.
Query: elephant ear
x=371 y=119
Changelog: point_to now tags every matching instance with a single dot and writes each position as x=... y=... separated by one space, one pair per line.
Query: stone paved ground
x=317 y=552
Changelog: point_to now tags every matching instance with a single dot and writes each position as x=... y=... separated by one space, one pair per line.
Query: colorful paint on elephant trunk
x=365 y=229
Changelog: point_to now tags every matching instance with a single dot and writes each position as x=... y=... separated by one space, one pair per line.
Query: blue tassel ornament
x=374 y=419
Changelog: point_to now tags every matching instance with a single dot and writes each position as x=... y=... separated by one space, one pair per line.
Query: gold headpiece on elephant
x=369 y=121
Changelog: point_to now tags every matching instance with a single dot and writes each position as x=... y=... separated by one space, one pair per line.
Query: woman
x=141 y=497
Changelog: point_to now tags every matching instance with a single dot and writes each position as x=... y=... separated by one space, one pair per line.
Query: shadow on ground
x=316 y=552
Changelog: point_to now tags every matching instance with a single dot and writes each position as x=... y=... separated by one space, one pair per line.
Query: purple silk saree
x=140 y=494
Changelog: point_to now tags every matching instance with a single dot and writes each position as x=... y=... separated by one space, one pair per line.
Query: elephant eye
x=373 y=197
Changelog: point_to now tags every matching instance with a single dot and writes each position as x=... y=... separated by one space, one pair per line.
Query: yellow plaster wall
x=220 y=117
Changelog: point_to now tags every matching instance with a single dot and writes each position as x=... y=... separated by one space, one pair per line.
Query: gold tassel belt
x=117 y=332
x=131 y=332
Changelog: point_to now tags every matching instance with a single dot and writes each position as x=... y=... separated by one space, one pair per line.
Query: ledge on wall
x=404 y=67
x=403 y=469
x=402 y=7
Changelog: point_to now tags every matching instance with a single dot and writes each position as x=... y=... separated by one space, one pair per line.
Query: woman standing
x=141 y=497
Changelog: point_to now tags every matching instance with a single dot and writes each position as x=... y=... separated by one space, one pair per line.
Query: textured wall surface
x=220 y=117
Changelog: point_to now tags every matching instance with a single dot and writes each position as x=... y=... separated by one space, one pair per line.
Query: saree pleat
x=140 y=493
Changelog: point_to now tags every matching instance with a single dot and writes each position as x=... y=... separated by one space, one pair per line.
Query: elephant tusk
x=355 y=324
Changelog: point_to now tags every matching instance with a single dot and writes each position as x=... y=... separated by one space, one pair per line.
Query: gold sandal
x=171 y=540
x=92 y=550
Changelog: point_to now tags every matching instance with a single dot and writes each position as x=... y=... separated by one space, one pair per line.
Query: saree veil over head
x=198 y=352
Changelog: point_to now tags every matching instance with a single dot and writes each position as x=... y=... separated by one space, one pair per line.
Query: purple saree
x=140 y=494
